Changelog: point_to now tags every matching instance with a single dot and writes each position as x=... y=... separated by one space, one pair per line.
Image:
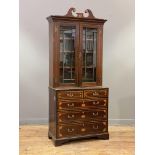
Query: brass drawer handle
x=70 y=116
x=105 y=92
x=96 y=103
x=105 y=103
x=70 y=95
x=70 y=130
x=95 y=93
x=70 y=105
x=95 y=114
x=95 y=127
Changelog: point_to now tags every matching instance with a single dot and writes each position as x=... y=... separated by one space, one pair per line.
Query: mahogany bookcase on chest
x=78 y=104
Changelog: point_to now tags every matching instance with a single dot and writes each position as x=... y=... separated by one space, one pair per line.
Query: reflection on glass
x=67 y=54
x=89 y=55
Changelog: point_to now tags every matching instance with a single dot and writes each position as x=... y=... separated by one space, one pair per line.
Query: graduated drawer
x=70 y=94
x=96 y=103
x=72 y=130
x=99 y=93
x=68 y=104
x=82 y=115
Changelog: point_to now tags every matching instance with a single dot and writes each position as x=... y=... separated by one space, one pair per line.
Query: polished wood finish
x=80 y=15
x=70 y=94
x=99 y=54
x=78 y=112
x=77 y=109
x=54 y=47
x=96 y=93
x=81 y=129
x=33 y=141
x=72 y=116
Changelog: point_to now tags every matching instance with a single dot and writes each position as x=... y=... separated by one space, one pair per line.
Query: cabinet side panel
x=51 y=54
x=52 y=112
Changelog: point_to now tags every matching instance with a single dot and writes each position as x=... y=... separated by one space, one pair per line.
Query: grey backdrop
x=118 y=58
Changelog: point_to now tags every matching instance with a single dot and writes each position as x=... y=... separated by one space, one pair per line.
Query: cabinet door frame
x=99 y=52
x=57 y=53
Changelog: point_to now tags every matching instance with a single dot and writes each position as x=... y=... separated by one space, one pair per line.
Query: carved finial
x=90 y=14
x=72 y=13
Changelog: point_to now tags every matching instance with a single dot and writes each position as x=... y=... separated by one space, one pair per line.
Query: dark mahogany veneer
x=78 y=109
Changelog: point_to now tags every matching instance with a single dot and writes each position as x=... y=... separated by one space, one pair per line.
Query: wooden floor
x=34 y=141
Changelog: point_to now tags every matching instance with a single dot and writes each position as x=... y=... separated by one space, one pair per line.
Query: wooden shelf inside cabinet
x=78 y=104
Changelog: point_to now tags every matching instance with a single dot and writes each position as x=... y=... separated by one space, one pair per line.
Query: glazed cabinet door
x=90 y=70
x=67 y=50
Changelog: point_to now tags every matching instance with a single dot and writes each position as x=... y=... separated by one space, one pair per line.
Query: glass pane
x=67 y=54
x=89 y=55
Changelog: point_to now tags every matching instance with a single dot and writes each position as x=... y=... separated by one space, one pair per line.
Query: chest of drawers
x=78 y=113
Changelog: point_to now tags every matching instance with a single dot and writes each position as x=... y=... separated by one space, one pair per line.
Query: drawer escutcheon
x=83 y=105
x=83 y=129
x=83 y=116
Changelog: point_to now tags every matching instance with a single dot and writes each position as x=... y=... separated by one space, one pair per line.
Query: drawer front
x=92 y=128
x=99 y=93
x=67 y=130
x=70 y=94
x=68 y=104
x=82 y=115
x=96 y=103
x=81 y=129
